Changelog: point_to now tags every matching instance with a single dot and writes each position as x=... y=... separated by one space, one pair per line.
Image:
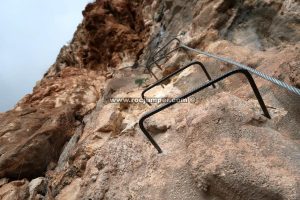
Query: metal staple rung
x=164 y=106
x=242 y=69
x=175 y=73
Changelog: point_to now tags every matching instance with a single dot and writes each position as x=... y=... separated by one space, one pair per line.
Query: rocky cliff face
x=66 y=140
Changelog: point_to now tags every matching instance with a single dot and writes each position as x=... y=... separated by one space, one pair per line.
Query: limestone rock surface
x=68 y=140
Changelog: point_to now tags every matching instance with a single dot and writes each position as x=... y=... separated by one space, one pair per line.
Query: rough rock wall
x=66 y=140
x=43 y=121
x=112 y=32
x=259 y=24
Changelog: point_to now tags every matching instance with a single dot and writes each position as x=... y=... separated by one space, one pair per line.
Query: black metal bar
x=165 y=46
x=174 y=37
x=152 y=74
x=148 y=66
x=173 y=74
x=175 y=100
x=157 y=65
x=165 y=55
x=152 y=56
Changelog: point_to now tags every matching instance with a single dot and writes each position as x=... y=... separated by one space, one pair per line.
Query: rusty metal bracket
x=177 y=99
